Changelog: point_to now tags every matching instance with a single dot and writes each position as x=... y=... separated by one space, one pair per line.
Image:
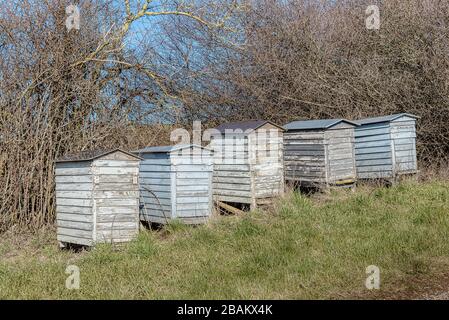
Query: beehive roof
x=166 y=149
x=388 y=118
x=90 y=155
x=316 y=124
x=245 y=126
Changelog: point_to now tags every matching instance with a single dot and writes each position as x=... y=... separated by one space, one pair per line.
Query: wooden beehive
x=320 y=153
x=97 y=197
x=248 y=162
x=385 y=147
x=176 y=183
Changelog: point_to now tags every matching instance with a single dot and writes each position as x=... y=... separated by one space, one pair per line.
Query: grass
x=309 y=247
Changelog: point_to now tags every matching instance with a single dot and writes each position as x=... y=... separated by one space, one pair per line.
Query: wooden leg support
x=229 y=208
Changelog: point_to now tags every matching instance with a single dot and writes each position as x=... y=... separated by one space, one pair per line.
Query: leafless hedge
x=118 y=82
x=316 y=59
x=64 y=90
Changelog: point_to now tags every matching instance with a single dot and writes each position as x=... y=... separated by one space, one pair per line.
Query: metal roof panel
x=316 y=124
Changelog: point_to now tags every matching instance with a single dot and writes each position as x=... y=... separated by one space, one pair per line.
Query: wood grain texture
x=92 y=196
x=248 y=167
x=387 y=149
x=179 y=182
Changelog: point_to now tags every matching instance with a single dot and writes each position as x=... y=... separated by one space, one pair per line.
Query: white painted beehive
x=97 y=197
x=320 y=153
x=248 y=162
x=176 y=183
x=385 y=147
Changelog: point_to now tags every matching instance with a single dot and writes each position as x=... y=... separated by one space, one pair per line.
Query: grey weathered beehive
x=248 y=164
x=176 y=182
x=386 y=146
x=97 y=197
x=320 y=152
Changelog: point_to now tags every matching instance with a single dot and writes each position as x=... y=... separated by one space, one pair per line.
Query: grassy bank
x=316 y=247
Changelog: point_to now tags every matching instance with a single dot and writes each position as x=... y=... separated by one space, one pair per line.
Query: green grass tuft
x=309 y=247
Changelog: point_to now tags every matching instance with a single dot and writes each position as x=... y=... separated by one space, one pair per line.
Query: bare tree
x=301 y=59
x=69 y=90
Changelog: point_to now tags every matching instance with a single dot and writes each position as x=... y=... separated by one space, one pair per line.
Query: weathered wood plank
x=240 y=199
x=116 y=163
x=364 y=132
x=155 y=187
x=193 y=181
x=192 y=213
x=114 y=218
x=369 y=156
x=118 y=210
x=289 y=142
x=306 y=159
x=234 y=174
x=74 y=186
x=244 y=168
x=74 y=209
x=125 y=179
x=117 y=225
x=116 y=235
x=304 y=147
x=379 y=168
x=374 y=162
x=116 y=171
x=156 y=201
x=192 y=175
x=75 y=233
x=74 y=179
x=73 y=165
x=116 y=187
x=381 y=137
x=74 y=217
x=192 y=168
x=185 y=220
x=75 y=225
x=342 y=163
x=204 y=193
x=192 y=200
x=375 y=174
x=73 y=202
x=161 y=161
x=299 y=168
x=155 y=168
x=192 y=187
x=373 y=144
x=365 y=150
x=232 y=186
x=192 y=206
x=318 y=180
x=304 y=136
x=98 y=194
x=232 y=180
x=116 y=202
x=72 y=171
x=304 y=153
x=229 y=208
x=154 y=175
